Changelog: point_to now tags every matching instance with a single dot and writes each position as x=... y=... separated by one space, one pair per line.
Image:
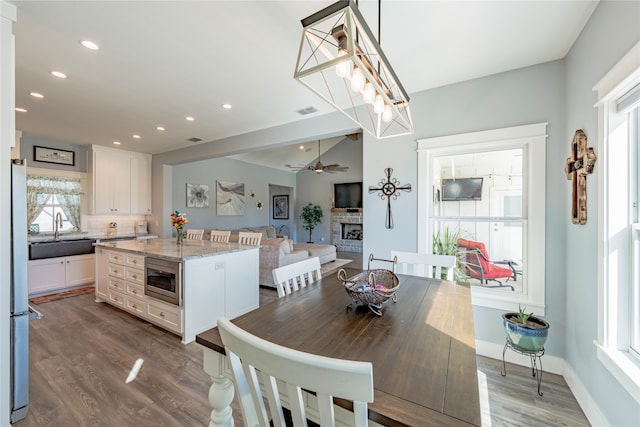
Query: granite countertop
x=169 y=250
x=49 y=237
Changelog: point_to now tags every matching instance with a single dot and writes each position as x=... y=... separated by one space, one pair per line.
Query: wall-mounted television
x=460 y=189
x=347 y=195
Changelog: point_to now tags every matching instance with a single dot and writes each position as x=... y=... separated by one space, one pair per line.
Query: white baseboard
x=582 y=395
x=550 y=363
x=555 y=365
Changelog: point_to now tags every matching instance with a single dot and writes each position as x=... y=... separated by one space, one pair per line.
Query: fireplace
x=346 y=230
x=351 y=231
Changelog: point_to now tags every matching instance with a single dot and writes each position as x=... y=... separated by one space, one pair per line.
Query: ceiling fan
x=319 y=167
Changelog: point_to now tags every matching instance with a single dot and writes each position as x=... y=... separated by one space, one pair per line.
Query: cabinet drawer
x=135 y=305
x=134 y=261
x=134 y=275
x=116 y=298
x=116 y=258
x=164 y=315
x=116 y=285
x=136 y=291
x=116 y=270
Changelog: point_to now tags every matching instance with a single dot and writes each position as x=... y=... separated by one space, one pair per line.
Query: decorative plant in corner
x=311 y=216
x=525 y=331
x=447 y=244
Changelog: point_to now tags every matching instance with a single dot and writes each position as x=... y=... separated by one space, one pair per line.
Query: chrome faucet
x=58 y=223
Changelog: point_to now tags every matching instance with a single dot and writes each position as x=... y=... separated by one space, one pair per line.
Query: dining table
x=422 y=348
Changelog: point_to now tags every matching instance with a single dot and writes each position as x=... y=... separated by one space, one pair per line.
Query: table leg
x=221 y=391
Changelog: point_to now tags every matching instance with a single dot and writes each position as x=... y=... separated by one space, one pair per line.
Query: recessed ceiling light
x=58 y=74
x=189 y=118
x=227 y=106
x=116 y=142
x=136 y=136
x=160 y=128
x=302 y=147
x=89 y=45
x=36 y=95
x=21 y=110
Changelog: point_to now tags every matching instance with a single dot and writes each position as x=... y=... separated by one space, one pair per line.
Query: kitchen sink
x=52 y=249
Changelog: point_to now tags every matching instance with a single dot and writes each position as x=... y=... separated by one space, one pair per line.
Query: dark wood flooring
x=82 y=352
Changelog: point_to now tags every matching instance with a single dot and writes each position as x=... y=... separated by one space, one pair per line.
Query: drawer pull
x=162 y=314
x=134 y=305
x=134 y=262
x=135 y=276
x=133 y=291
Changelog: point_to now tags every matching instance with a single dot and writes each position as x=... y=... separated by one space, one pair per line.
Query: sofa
x=278 y=250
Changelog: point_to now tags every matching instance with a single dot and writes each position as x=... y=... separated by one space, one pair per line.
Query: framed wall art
x=229 y=198
x=281 y=207
x=53 y=155
x=197 y=196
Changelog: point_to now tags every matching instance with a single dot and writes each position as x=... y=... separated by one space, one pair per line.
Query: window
x=618 y=105
x=508 y=214
x=49 y=195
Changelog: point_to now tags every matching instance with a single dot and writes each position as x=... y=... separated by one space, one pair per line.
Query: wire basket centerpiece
x=372 y=288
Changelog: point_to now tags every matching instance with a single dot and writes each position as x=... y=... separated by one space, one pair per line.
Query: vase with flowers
x=178 y=221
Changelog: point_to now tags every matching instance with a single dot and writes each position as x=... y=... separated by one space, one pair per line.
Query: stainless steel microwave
x=163 y=280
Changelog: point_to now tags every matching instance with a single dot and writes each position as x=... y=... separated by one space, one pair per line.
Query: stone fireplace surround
x=341 y=220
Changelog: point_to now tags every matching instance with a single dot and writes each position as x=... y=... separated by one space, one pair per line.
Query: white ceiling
x=161 y=61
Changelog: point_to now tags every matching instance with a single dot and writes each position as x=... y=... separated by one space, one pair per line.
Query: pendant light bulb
x=343 y=68
x=369 y=93
x=387 y=115
x=357 y=80
x=378 y=104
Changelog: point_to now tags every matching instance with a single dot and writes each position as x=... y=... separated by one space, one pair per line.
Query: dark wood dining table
x=422 y=348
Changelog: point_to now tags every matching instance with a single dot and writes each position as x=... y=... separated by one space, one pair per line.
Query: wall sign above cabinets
x=53 y=155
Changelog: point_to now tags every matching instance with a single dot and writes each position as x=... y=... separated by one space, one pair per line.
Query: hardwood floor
x=82 y=352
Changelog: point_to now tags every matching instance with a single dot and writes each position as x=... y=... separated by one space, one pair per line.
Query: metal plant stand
x=535 y=356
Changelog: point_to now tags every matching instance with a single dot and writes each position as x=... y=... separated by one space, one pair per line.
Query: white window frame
x=614 y=291
x=532 y=139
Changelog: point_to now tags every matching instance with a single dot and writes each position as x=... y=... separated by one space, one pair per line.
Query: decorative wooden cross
x=389 y=189
x=577 y=167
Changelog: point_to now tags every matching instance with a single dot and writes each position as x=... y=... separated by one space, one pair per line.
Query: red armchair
x=474 y=262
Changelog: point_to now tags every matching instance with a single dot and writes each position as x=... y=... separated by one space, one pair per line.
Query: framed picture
x=197 y=196
x=53 y=155
x=281 y=207
x=229 y=198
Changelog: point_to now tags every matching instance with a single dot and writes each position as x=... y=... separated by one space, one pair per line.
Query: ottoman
x=326 y=253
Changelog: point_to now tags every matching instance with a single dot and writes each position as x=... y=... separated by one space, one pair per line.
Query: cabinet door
x=46 y=275
x=111 y=182
x=102 y=271
x=81 y=270
x=141 y=184
x=102 y=197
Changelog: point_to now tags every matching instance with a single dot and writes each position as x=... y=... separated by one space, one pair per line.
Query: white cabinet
x=55 y=274
x=102 y=271
x=141 y=184
x=121 y=182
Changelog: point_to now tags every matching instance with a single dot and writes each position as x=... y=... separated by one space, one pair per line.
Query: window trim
x=611 y=352
x=531 y=138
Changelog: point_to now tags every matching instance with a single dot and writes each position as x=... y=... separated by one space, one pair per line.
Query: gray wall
x=614 y=28
x=318 y=188
x=255 y=178
x=27 y=142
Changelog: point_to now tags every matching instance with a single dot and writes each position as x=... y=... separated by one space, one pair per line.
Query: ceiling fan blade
x=334 y=165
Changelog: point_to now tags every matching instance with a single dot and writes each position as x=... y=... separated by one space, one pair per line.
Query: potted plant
x=311 y=216
x=525 y=331
x=447 y=244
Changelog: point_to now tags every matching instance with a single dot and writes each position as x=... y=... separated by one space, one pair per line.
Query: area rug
x=62 y=295
x=332 y=267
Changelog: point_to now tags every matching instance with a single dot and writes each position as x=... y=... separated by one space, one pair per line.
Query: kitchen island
x=212 y=280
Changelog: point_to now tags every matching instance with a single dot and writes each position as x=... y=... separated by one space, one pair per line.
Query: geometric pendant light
x=340 y=60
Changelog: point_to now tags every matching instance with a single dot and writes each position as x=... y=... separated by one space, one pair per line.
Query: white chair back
x=290 y=278
x=424 y=265
x=247 y=238
x=194 y=234
x=256 y=362
x=220 y=236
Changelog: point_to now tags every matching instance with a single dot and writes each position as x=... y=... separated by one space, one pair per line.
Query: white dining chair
x=424 y=265
x=194 y=234
x=247 y=238
x=255 y=362
x=220 y=236
x=290 y=278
